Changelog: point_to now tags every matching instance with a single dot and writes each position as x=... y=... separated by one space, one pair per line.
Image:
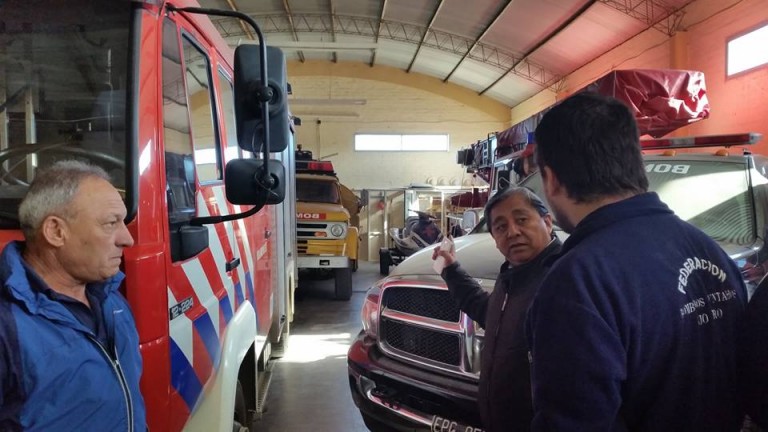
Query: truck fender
x=352 y=242
x=215 y=413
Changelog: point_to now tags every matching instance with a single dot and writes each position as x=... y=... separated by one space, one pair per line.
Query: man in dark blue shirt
x=635 y=325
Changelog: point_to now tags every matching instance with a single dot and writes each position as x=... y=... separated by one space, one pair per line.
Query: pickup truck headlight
x=337 y=230
x=370 y=312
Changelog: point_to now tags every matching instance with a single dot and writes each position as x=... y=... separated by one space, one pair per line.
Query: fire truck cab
x=199 y=141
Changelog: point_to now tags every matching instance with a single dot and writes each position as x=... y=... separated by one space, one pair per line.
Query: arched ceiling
x=508 y=50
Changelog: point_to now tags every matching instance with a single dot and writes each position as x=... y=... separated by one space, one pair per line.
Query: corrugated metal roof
x=508 y=50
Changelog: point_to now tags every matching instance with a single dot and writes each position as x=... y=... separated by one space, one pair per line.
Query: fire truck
x=326 y=228
x=199 y=141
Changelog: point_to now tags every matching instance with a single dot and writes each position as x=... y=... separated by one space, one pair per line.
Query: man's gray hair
x=52 y=191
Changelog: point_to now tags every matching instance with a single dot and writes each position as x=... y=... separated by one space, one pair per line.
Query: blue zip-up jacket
x=54 y=375
x=635 y=327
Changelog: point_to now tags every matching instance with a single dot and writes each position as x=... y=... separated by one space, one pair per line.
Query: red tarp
x=662 y=99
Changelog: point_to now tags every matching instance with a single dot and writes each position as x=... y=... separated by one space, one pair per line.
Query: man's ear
x=552 y=186
x=54 y=231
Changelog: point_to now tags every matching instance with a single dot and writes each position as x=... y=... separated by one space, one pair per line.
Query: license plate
x=440 y=424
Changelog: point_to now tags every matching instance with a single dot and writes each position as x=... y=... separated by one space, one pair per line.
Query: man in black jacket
x=521 y=225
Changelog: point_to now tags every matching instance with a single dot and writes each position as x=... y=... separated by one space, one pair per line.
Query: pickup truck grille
x=430 y=303
x=424 y=343
x=423 y=326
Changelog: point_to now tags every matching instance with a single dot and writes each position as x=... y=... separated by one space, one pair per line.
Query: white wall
x=395 y=102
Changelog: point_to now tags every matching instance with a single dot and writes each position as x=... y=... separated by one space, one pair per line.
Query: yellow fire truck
x=327 y=238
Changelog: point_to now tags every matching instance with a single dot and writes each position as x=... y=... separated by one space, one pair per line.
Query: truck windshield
x=319 y=191
x=63 y=86
x=711 y=194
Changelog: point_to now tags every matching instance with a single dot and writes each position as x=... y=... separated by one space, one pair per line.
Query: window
x=747 y=51
x=179 y=165
x=319 y=191
x=204 y=133
x=63 y=87
x=380 y=142
x=231 y=150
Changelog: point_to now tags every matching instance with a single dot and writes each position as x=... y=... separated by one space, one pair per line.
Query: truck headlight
x=337 y=230
x=370 y=312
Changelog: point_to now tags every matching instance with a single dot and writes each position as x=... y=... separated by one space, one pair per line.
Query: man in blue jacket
x=69 y=350
x=635 y=325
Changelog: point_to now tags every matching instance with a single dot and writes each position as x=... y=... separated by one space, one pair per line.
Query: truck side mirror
x=246 y=185
x=249 y=94
x=504 y=179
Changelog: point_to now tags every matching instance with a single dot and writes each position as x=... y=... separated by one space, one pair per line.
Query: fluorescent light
x=300 y=101
x=321 y=46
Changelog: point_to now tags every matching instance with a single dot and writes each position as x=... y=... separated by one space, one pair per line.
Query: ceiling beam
x=332 y=10
x=426 y=33
x=368 y=27
x=655 y=14
x=477 y=40
x=378 y=30
x=288 y=13
x=247 y=30
x=541 y=42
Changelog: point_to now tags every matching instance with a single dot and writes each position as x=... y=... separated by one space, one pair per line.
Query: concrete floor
x=310 y=388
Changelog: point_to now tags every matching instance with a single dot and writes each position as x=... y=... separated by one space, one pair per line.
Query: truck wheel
x=241 y=422
x=354 y=265
x=343 y=278
x=385 y=260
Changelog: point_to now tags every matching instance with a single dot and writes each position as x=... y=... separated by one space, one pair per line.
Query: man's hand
x=447 y=252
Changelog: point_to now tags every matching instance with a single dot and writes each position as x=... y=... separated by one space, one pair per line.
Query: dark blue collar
x=644 y=204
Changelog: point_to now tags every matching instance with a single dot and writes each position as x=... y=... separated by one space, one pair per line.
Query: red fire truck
x=201 y=150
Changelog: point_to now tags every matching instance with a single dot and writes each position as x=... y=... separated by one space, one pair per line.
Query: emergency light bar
x=702 y=141
x=325 y=167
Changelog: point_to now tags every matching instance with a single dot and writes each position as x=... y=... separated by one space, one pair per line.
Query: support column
x=679 y=50
x=31 y=130
x=4 y=117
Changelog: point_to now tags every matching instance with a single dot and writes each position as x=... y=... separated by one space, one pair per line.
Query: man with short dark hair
x=521 y=226
x=635 y=325
x=69 y=350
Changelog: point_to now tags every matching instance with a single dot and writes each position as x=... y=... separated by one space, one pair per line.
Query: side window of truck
x=179 y=162
x=231 y=150
x=197 y=68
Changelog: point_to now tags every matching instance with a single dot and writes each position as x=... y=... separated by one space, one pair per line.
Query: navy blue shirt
x=91 y=318
x=635 y=326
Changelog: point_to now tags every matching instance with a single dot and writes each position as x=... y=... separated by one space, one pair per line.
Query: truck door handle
x=231 y=265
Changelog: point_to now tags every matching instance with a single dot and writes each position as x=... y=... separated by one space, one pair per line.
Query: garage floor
x=310 y=388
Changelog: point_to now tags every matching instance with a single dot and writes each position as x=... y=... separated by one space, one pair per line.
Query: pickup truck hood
x=477 y=254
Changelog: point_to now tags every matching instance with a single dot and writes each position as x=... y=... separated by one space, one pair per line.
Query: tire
x=343 y=281
x=242 y=422
x=385 y=260
x=354 y=265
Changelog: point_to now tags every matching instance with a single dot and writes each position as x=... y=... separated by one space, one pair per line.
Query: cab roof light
x=669 y=153
x=722 y=152
x=702 y=141
x=324 y=167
